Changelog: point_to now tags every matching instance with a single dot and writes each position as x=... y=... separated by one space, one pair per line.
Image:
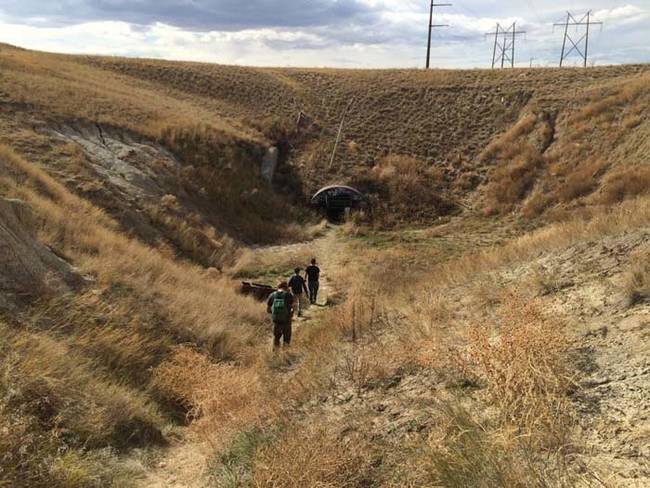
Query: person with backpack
x=313 y=275
x=298 y=285
x=280 y=306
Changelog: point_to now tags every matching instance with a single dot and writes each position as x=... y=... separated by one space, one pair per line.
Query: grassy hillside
x=443 y=120
x=459 y=339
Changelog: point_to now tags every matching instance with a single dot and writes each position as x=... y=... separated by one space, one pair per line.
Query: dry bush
x=525 y=370
x=219 y=398
x=513 y=179
x=619 y=94
x=369 y=364
x=631 y=121
x=45 y=379
x=625 y=183
x=35 y=458
x=310 y=457
x=505 y=143
x=192 y=237
x=470 y=452
x=637 y=278
x=539 y=200
x=404 y=188
x=547 y=281
x=581 y=181
x=434 y=339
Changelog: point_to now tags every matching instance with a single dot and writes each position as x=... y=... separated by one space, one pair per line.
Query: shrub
x=310 y=457
x=637 y=279
x=406 y=189
x=625 y=183
x=525 y=371
x=220 y=398
x=513 y=179
x=474 y=453
x=581 y=181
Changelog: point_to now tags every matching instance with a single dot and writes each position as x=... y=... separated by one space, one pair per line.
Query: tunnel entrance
x=335 y=201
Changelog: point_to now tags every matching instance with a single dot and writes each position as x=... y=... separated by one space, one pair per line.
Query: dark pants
x=281 y=330
x=313 y=291
x=298 y=303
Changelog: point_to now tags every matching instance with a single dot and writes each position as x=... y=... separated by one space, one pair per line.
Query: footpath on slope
x=183 y=464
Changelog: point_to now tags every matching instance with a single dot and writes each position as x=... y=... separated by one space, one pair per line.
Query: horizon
x=351 y=34
x=333 y=68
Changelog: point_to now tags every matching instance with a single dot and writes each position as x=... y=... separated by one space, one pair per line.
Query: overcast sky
x=338 y=33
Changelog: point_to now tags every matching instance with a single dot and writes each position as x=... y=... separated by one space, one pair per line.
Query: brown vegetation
x=637 y=281
x=156 y=336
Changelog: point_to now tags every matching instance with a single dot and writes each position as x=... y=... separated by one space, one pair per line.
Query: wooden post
x=338 y=136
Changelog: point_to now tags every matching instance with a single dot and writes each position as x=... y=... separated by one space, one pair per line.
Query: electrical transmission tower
x=571 y=21
x=504 y=44
x=432 y=26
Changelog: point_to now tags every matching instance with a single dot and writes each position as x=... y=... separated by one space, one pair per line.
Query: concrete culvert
x=336 y=200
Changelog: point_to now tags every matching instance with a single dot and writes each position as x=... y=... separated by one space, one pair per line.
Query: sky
x=332 y=33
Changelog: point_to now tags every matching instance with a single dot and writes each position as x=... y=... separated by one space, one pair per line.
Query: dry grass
x=598 y=223
x=637 y=280
x=560 y=158
x=470 y=452
x=512 y=180
x=404 y=188
x=193 y=237
x=108 y=361
x=274 y=263
x=522 y=360
x=57 y=412
x=219 y=398
x=140 y=304
x=581 y=182
x=201 y=312
x=220 y=119
x=313 y=457
x=625 y=183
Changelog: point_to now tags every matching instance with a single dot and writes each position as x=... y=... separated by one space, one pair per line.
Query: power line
x=571 y=21
x=504 y=44
x=432 y=26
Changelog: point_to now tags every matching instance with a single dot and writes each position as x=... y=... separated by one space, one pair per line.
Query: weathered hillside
x=131 y=201
x=459 y=130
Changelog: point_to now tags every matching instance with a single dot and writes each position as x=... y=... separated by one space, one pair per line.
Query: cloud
x=626 y=12
x=361 y=33
x=194 y=15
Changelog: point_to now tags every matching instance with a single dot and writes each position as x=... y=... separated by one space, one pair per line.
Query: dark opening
x=335 y=201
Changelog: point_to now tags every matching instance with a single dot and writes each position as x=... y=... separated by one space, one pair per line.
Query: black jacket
x=297 y=284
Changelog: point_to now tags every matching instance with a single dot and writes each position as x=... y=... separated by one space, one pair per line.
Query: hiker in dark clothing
x=280 y=306
x=313 y=275
x=298 y=285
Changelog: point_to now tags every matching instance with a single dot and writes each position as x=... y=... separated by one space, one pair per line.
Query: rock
x=597 y=381
x=270 y=163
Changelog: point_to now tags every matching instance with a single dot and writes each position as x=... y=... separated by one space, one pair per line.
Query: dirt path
x=183 y=464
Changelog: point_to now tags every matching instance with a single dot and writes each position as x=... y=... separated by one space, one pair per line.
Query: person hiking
x=313 y=275
x=298 y=285
x=280 y=306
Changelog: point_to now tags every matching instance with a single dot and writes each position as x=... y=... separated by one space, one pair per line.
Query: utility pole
x=571 y=21
x=432 y=26
x=504 y=43
x=496 y=43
